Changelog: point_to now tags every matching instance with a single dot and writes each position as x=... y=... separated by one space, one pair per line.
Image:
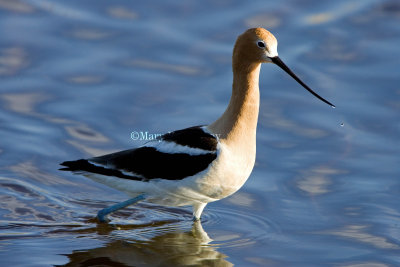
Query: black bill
x=283 y=66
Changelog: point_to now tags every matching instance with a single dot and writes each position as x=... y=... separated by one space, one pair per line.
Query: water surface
x=77 y=78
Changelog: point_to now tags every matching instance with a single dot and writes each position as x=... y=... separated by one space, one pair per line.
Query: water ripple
x=230 y=231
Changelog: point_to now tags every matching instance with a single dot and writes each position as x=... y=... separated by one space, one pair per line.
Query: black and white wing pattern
x=174 y=156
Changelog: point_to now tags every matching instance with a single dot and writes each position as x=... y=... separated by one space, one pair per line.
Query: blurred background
x=77 y=77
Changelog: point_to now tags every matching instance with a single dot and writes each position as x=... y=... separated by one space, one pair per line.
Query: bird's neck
x=238 y=124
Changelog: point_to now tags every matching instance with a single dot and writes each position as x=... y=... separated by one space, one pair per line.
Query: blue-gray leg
x=102 y=214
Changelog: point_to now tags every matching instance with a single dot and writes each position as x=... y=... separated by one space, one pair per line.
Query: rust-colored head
x=256 y=45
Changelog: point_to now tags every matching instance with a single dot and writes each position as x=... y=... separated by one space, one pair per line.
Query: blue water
x=77 y=77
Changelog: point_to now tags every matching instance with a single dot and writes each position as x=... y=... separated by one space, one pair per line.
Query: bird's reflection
x=167 y=248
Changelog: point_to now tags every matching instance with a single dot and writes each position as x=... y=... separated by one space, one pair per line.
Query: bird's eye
x=261 y=44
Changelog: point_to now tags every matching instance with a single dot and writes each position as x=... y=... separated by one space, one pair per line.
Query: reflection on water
x=90 y=34
x=77 y=79
x=16 y=6
x=316 y=181
x=173 y=247
x=23 y=102
x=186 y=70
x=122 y=12
x=85 y=79
x=12 y=60
x=359 y=233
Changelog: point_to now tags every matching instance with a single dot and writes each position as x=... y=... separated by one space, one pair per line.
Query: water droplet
x=342 y=124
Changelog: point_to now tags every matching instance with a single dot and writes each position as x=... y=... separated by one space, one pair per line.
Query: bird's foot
x=102 y=216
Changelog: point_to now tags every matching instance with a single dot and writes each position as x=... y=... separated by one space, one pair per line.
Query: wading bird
x=201 y=164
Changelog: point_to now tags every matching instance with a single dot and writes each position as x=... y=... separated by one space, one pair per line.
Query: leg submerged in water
x=102 y=214
x=197 y=210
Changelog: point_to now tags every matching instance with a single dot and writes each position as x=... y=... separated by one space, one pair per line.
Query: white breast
x=228 y=173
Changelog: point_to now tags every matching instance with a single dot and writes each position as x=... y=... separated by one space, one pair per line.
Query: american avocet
x=200 y=164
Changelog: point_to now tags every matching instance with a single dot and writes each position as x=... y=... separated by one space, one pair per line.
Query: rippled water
x=77 y=77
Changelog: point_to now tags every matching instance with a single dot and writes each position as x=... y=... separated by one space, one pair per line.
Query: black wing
x=147 y=162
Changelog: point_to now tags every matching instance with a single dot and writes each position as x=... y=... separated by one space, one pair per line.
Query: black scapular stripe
x=194 y=137
x=146 y=162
